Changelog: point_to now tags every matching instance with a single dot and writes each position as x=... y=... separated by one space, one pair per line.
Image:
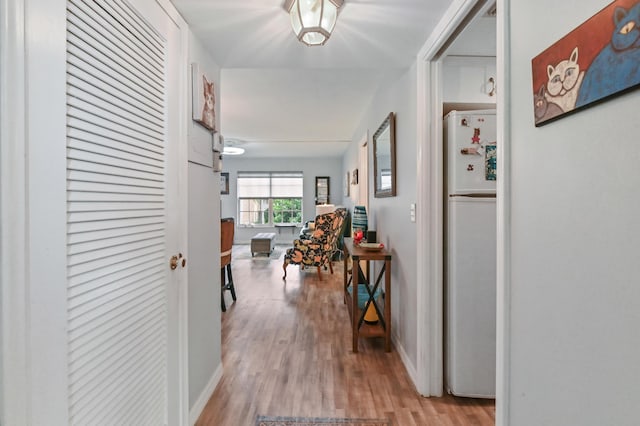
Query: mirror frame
x=388 y=123
x=326 y=180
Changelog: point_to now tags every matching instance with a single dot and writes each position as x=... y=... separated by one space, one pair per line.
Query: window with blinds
x=270 y=198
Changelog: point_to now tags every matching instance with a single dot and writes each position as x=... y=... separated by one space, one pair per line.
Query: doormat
x=319 y=421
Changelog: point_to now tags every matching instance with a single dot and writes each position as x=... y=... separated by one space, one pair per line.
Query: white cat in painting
x=208 y=112
x=564 y=82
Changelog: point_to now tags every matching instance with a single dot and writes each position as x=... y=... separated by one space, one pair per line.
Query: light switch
x=217 y=162
x=217 y=142
x=413 y=212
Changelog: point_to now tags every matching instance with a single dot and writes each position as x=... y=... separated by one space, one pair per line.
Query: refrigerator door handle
x=482 y=195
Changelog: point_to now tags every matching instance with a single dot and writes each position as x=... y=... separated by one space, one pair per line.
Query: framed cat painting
x=597 y=60
x=203 y=98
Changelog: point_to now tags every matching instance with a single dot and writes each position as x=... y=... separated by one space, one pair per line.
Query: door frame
x=34 y=223
x=14 y=405
x=179 y=357
x=430 y=220
x=363 y=172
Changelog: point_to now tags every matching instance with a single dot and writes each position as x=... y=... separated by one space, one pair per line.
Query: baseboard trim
x=206 y=393
x=408 y=365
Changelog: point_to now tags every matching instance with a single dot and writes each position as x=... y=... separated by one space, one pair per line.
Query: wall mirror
x=322 y=190
x=384 y=158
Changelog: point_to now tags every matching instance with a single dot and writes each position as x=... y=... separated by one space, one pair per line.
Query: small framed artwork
x=203 y=98
x=354 y=177
x=224 y=183
x=596 y=61
x=347 y=185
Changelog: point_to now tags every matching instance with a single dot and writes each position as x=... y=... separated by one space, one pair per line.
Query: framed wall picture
x=323 y=189
x=203 y=98
x=224 y=183
x=594 y=62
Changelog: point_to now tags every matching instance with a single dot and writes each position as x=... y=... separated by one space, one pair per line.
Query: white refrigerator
x=470 y=253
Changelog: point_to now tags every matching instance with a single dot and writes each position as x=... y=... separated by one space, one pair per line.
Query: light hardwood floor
x=286 y=351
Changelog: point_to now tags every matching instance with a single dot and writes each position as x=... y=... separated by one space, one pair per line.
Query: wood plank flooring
x=286 y=351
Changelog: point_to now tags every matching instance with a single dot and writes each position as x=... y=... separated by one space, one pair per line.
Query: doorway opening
x=461 y=49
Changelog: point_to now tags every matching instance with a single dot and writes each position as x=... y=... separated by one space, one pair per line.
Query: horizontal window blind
x=270 y=184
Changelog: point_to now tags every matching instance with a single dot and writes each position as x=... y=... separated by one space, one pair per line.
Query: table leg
x=344 y=274
x=387 y=305
x=355 y=273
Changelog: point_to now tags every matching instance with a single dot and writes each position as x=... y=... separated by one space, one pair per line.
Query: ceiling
x=282 y=98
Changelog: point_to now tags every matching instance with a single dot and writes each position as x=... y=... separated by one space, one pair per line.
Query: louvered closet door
x=121 y=179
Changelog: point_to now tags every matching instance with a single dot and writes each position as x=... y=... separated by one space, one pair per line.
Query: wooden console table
x=359 y=327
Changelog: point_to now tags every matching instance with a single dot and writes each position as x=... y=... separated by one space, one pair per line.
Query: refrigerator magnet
x=490 y=162
x=476 y=135
x=472 y=150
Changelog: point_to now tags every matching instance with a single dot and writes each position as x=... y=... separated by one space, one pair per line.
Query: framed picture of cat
x=596 y=61
x=203 y=98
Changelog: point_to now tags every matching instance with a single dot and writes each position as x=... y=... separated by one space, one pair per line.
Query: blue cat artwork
x=595 y=61
x=617 y=66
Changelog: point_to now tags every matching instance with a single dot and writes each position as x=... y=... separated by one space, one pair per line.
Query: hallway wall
x=574 y=295
x=204 y=248
x=390 y=216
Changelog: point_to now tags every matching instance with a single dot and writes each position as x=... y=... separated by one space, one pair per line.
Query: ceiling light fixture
x=232 y=150
x=313 y=20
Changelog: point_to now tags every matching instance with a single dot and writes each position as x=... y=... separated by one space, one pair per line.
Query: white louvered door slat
x=90 y=73
x=87 y=152
x=105 y=234
x=112 y=146
x=117 y=41
x=118 y=210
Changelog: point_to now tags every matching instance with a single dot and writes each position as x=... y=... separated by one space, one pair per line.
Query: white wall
x=204 y=247
x=311 y=167
x=575 y=300
x=390 y=216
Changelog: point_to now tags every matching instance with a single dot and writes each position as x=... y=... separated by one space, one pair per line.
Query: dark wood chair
x=227 y=229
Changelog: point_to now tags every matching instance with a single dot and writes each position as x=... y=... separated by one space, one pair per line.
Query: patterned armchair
x=321 y=246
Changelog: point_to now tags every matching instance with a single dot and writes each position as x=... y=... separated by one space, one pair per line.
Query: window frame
x=270 y=198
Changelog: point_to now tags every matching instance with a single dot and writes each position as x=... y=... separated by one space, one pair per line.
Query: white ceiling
x=313 y=106
x=280 y=97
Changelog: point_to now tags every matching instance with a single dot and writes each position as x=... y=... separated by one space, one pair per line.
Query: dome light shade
x=232 y=150
x=313 y=20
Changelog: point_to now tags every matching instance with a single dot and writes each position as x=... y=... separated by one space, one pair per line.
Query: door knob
x=175 y=260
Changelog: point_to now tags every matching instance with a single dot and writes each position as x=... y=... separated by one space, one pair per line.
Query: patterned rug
x=318 y=421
